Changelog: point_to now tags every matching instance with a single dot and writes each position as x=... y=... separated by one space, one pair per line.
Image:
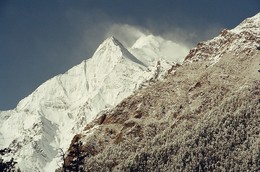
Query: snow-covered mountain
x=202 y=117
x=47 y=119
x=151 y=47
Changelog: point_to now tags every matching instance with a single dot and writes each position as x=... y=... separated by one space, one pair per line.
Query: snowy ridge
x=47 y=119
x=151 y=47
x=240 y=40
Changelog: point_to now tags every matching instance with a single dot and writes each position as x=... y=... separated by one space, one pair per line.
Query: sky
x=40 y=39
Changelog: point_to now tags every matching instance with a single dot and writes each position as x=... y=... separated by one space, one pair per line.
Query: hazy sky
x=42 y=38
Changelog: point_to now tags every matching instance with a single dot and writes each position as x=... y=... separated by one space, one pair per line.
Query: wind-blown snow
x=152 y=47
x=47 y=119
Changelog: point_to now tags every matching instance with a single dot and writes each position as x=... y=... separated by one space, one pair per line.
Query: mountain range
x=47 y=119
x=151 y=107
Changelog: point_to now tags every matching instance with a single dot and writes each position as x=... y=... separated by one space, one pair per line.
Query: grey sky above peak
x=40 y=39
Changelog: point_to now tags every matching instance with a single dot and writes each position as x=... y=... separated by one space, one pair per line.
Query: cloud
x=126 y=33
x=92 y=27
x=188 y=35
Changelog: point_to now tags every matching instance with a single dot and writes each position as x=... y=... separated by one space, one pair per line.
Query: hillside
x=204 y=116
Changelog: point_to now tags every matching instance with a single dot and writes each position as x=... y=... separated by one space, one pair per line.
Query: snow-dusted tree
x=78 y=156
x=62 y=156
x=7 y=165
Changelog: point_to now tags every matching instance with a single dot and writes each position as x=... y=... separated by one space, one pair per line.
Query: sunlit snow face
x=137 y=38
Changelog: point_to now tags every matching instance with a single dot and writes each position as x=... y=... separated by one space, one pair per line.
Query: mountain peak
x=112 y=41
x=111 y=45
x=113 y=51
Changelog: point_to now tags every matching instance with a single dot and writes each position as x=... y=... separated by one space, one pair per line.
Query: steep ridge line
x=203 y=117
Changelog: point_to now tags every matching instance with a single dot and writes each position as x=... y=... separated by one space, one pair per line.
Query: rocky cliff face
x=202 y=117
